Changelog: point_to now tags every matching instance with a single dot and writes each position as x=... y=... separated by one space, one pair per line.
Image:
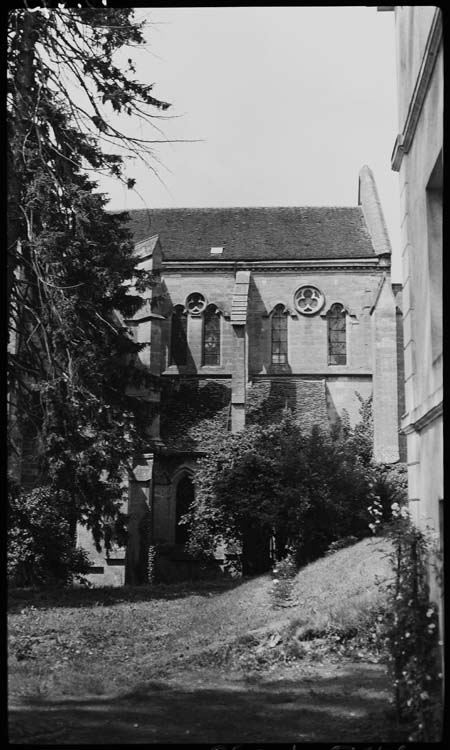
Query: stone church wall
x=307 y=336
x=199 y=404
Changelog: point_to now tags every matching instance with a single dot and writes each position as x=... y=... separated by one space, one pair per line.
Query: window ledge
x=276 y=368
x=212 y=368
x=191 y=370
x=322 y=372
x=179 y=370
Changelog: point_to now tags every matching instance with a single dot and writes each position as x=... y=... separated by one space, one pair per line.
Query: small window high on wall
x=337 y=335
x=211 y=336
x=279 y=336
x=178 y=339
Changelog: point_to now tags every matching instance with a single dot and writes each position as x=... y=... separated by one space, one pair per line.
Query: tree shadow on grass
x=43 y=599
x=348 y=707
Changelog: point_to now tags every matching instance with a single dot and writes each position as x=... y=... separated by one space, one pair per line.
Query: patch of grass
x=51 y=598
x=342 y=586
x=101 y=642
x=341 y=598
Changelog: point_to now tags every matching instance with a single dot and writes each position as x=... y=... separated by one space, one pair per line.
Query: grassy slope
x=340 y=588
x=113 y=641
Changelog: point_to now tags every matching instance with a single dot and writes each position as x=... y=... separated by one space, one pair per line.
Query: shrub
x=283 y=574
x=390 y=486
x=346 y=541
x=41 y=548
x=411 y=632
x=305 y=490
x=336 y=492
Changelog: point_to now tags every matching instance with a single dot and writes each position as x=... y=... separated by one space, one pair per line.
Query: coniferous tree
x=70 y=358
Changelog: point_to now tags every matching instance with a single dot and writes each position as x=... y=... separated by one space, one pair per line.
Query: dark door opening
x=255 y=551
x=184 y=497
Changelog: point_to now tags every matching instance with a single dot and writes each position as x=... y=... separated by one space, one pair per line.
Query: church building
x=258 y=309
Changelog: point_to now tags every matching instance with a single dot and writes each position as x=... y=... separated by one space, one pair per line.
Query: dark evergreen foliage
x=41 y=541
x=71 y=360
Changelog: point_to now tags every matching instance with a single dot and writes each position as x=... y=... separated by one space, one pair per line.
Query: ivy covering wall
x=306 y=399
x=194 y=413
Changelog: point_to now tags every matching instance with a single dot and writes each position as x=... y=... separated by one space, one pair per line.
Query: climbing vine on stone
x=411 y=631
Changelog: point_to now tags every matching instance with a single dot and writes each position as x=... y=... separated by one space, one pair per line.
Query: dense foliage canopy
x=70 y=358
x=307 y=490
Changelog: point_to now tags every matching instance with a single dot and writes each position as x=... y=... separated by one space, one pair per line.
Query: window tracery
x=195 y=303
x=278 y=320
x=337 y=335
x=211 y=336
x=308 y=300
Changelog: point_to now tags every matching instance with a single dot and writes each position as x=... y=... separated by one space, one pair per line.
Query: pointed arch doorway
x=183 y=498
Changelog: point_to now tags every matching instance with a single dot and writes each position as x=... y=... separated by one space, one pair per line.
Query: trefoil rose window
x=308 y=300
x=279 y=335
x=195 y=303
x=211 y=336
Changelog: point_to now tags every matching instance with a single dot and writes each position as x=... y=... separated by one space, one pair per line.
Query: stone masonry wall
x=307 y=336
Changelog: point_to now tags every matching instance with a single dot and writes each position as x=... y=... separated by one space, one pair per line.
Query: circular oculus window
x=308 y=300
x=195 y=303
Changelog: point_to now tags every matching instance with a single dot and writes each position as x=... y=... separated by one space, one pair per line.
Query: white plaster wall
x=415 y=172
x=412 y=27
x=423 y=371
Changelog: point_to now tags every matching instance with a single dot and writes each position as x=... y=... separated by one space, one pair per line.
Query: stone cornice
x=205 y=372
x=426 y=419
x=405 y=138
x=350 y=265
x=423 y=415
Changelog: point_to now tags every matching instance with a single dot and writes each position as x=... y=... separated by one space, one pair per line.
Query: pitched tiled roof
x=286 y=233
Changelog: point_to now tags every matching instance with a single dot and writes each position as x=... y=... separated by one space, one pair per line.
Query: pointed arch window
x=211 y=336
x=279 y=335
x=337 y=335
x=178 y=338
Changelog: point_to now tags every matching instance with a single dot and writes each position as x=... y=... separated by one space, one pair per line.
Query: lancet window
x=337 y=335
x=279 y=336
x=211 y=336
x=178 y=340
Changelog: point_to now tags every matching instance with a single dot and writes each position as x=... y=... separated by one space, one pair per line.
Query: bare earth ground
x=148 y=666
x=299 y=703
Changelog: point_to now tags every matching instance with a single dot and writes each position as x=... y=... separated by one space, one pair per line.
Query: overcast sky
x=288 y=104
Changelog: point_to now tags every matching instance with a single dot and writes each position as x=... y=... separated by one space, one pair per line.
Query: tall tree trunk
x=18 y=127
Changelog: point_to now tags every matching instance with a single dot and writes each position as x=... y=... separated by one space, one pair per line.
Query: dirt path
x=345 y=702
